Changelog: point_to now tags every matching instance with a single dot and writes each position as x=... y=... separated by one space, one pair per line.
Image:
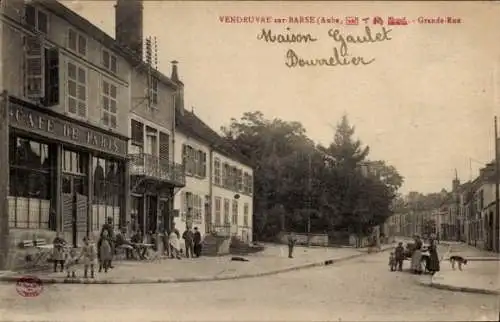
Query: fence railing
x=156 y=167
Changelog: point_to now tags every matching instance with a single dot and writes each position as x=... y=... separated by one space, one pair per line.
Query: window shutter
x=35 y=65
x=183 y=204
x=164 y=148
x=184 y=156
x=196 y=162
x=51 y=77
x=204 y=165
x=137 y=129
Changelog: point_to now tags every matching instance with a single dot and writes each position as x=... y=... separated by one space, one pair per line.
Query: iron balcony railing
x=226 y=230
x=153 y=166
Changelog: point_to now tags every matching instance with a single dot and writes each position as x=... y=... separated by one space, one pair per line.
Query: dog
x=239 y=259
x=459 y=260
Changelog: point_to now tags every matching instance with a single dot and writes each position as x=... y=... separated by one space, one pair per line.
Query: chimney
x=128 y=25
x=179 y=95
x=175 y=75
x=455 y=185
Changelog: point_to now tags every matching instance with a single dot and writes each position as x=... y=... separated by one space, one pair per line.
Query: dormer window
x=77 y=42
x=109 y=61
x=37 y=19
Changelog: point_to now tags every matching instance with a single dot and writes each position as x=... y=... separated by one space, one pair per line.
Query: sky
x=425 y=104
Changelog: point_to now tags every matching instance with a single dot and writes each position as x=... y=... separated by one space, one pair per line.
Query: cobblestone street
x=359 y=289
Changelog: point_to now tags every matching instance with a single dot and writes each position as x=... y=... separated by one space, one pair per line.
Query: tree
x=387 y=174
x=345 y=150
x=279 y=153
x=292 y=176
x=360 y=202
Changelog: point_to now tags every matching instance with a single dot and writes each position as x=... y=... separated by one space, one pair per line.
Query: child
x=89 y=255
x=58 y=252
x=400 y=256
x=70 y=262
x=392 y=262
x=105 y=252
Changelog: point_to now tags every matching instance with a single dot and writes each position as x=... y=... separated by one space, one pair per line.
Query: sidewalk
x=480 y=275
x=273 y=260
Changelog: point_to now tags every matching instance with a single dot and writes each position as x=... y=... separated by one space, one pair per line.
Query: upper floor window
x=109 y=103
x=77 y=42
x=109 y=61
x=239 y=181
x=247 y=183
x=226 y=175
x=195 y=161
x=217 y=174
x=41 y=72
x=36 y=19
x=77 y=90
x=154 y=91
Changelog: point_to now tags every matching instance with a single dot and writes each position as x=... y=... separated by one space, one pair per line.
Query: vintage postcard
x=249 y=160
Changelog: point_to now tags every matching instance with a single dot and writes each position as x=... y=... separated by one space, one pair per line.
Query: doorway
x=152 y=213
x=165 y=218
x=75 y=196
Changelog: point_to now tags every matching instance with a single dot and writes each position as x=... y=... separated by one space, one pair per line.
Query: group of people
x=90 y=255
x=192 y=243
x=419 y=255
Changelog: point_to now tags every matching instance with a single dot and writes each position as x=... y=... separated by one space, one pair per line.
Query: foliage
x=297 y=184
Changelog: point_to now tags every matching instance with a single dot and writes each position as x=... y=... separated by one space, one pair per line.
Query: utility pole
x=4 y=179
x=309 y=199
x=497 y=193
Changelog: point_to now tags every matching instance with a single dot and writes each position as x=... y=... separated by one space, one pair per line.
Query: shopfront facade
x=64 y=175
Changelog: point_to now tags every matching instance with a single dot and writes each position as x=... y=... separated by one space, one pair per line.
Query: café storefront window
x=30 y=184
x=108 y=186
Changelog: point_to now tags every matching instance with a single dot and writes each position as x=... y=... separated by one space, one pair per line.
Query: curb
x=15 y=278
x=461 y=288
x=456 y=288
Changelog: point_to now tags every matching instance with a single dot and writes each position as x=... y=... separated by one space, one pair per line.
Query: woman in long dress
x=173 y=240
x=416 y=258
x=433 y=258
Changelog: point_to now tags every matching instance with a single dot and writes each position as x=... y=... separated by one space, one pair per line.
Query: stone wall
x=305 y=239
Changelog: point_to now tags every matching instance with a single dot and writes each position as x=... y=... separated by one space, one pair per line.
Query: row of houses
x=94 y=130
x=466 y=214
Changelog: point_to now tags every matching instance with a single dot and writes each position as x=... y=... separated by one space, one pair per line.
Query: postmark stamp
x=29 y=286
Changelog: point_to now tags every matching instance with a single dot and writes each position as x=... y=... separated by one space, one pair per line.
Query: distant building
x=218 y=197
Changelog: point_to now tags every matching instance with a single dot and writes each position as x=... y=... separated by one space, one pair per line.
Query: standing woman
x=433 y=258
x=416 y=258
x=173 y=240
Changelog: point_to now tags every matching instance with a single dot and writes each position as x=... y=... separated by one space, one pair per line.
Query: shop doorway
x=152 y=214
x=165 y=215
x=75 y=197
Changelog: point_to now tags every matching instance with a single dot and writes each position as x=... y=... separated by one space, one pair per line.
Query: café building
x=62 y=174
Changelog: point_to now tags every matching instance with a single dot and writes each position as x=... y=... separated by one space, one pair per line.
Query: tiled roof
x=189 y=123
x=88 y=28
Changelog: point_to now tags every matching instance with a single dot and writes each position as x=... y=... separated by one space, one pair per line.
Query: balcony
x=156 y=168
x=224 y=230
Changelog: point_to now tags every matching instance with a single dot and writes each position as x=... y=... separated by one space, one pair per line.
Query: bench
x=42 y=251
x=27 y=244
x=40 y=242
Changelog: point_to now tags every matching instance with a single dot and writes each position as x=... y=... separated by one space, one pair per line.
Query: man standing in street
x=188 y=237
x=197 y=242
x=400 y=256
x=291 y=244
